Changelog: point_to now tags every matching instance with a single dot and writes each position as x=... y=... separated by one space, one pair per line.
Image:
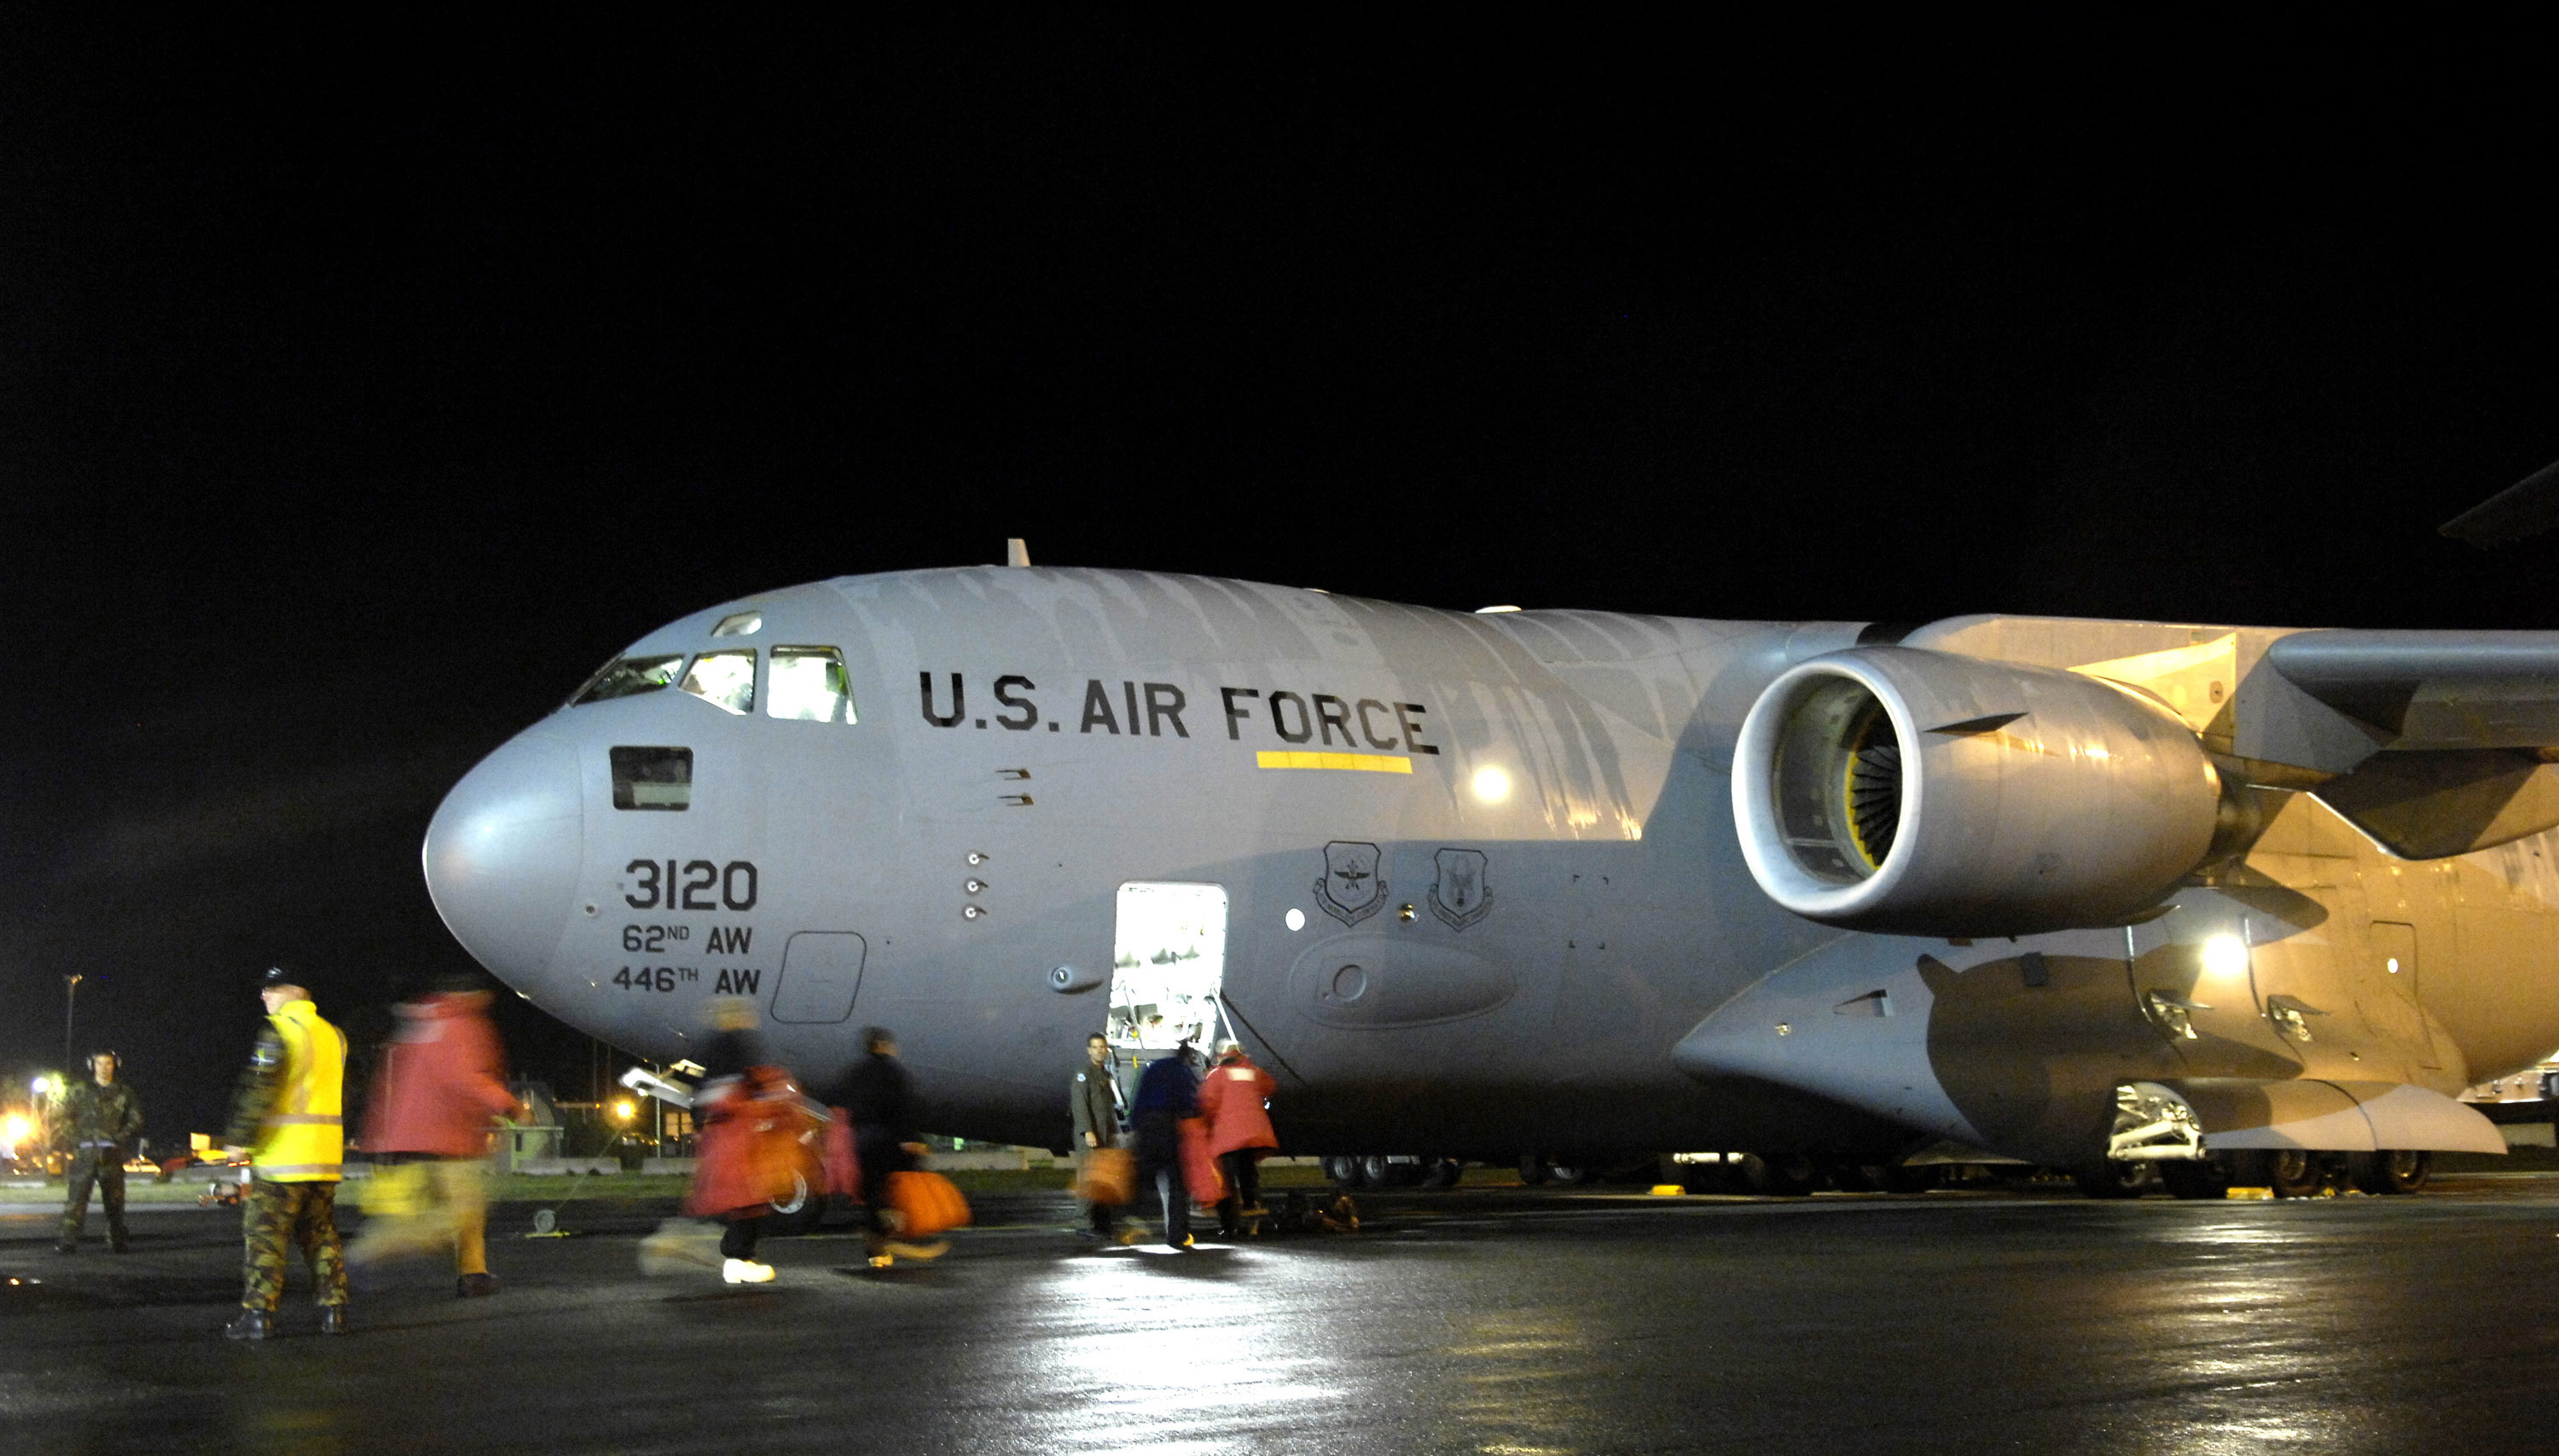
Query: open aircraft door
x=1168 y=969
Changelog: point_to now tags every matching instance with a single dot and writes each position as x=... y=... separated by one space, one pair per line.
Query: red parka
x=441 y=1080
x=748 y=1144
x=1231 y=1099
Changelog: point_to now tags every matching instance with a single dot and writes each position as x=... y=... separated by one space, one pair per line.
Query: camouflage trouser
x=107 y=1170
x=304 y=1215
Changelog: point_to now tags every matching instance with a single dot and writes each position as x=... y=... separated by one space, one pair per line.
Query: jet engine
x=1911 y=791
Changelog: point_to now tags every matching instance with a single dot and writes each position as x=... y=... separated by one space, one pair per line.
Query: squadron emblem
x=1458 y=896
x=1351 y=890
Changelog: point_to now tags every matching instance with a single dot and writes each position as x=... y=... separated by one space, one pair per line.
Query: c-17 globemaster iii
x=1571 y=884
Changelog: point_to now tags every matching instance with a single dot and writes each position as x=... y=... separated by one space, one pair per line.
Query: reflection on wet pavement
x=1482 y=1321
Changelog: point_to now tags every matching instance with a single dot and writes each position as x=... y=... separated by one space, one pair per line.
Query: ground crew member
x=287 y=1114
x=96 y=1123
x=1093 y=1099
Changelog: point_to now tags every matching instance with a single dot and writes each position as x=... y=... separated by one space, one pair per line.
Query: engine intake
x=1922 y=793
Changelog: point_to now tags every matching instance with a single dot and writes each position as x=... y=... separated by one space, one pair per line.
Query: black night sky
x=360 y=391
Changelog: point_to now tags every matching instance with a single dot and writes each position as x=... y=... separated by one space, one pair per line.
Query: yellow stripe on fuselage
x=1356 y=762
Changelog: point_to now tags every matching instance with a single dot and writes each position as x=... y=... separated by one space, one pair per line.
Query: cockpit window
x=653 y=777
x=624 y=676
x=742 y=624
x=724 y=680
x=808 y=683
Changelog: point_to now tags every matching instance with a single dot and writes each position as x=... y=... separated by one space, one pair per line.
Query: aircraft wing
x=2462 y=726
x=2444 y=692
x=2435 y=743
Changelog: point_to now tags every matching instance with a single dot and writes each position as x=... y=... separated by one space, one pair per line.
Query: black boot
x=118 y=1241
x=253 y=1324
x=333 y=1319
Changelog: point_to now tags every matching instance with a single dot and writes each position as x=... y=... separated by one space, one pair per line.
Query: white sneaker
x=746 y=1271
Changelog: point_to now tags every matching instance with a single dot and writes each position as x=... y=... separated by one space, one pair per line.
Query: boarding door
x=1167 y=967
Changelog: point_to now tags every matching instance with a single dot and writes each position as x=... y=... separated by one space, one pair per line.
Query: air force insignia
x=1351 y=890
x=1458 y=896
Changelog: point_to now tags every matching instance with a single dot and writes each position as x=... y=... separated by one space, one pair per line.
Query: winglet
x=2527 y=507
x=1017 y=553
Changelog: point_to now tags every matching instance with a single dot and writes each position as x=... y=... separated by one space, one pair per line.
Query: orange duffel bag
x=1110 y=1177
x=926 y=1204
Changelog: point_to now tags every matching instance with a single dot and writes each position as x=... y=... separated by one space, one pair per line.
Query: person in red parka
x=1231 y=1098
x=442 y=1078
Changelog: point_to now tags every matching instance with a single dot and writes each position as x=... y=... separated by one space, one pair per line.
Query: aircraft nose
x=503 y=855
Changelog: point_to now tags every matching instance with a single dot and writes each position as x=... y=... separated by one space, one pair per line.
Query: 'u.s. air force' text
x=1147 y=710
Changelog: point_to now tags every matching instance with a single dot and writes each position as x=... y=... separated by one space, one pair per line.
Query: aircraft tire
x=2200 y=1178
x=1376 y=1171
x=1569 y=1175
x=2112 y=1178
x=2394 y=1172
x=1852 y=1177
x=1445 y=1173
x=1345 y=1172
x=2294 y=1173
x=1533 y=1170
x=1904 y=1179
x=800 y=1213
x=1788 y=1175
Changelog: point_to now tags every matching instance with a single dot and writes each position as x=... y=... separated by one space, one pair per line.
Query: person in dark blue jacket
x=1167 y=1094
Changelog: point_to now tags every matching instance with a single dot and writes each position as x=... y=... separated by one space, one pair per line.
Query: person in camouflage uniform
x=96 y=1123
x=286 y=1113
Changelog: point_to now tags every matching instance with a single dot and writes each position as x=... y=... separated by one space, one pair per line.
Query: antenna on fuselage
x=1017 y=553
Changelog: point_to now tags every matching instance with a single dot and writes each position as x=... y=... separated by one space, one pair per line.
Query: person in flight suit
x=287 y=1113
x=1093 y=1099
x=95 y=1122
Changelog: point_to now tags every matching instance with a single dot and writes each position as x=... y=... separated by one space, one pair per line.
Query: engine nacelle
x=1919 y=793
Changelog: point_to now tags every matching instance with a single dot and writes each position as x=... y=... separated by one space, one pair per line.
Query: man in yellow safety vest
x=287 y=1114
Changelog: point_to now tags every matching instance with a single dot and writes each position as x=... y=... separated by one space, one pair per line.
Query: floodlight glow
x=622 y=1111
x=1491 y=783
x=2225 y=955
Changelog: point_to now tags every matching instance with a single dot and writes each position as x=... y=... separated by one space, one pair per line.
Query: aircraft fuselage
x=1479 y=874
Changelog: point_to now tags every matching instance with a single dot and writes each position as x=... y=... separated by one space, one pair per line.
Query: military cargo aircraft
x=2143 y=900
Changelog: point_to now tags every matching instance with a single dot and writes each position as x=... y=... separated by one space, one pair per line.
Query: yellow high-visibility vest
x=303 y=1139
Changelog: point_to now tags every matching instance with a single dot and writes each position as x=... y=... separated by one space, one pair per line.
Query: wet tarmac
x=1485 y=1321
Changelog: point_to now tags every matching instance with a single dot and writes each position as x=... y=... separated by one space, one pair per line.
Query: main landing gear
x=1380 y=1170
x=2284 y=1172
